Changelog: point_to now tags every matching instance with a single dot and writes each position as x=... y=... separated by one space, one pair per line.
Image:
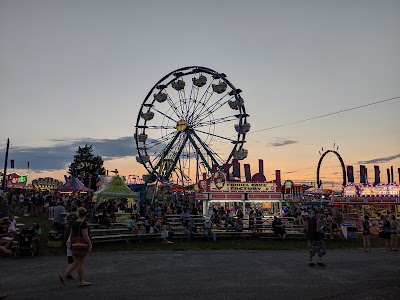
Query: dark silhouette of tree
x=86 y=166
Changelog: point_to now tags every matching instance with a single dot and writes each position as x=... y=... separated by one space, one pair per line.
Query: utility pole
x=3 y=185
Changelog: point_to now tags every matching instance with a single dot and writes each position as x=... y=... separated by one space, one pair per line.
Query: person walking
x=315 y=242
x=393 y=232
x=79 y=228
x=366 y=234
x=72 y=216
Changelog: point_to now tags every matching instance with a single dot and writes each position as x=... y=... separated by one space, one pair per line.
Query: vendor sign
x=16 y=180
x=275 y=196
x=350 y=191
x=242 y=187
x=226 y=196
x=201 y=196
x=46 y=183
x=379 y=191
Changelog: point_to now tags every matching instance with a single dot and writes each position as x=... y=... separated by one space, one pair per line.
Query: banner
x=46 y=183
x=380 y=190
x=16 y=180
x=350 y=191
x=242 y=187
x=262 y=196
x=226 y=196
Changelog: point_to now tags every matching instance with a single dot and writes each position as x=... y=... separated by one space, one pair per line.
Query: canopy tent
x=115 y=189
x=73 y=185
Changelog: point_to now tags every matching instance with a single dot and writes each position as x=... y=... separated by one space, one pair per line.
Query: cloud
x=279 y=142
x=378 y=160
x=61 y=154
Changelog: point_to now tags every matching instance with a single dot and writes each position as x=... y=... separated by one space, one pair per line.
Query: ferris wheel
x=192 y=121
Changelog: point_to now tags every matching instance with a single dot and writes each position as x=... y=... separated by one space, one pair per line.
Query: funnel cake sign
x=243 y=187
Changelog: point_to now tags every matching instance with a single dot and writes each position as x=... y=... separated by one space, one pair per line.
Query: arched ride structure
x=341 y=163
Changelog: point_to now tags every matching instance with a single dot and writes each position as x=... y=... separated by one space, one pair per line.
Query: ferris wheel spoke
x=215 y=121
x=161 y=140
x=199 y=102
x=216 y=135
x=165 y=115
x=159 y=127
x=173 y=106
x=183 y=102
x=176 y=154
x=156 y=162
x=203 y=105
x=194 y=92
x=204 y=146
x=213 y=108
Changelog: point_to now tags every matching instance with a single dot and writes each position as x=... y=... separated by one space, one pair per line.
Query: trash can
x=352 y=233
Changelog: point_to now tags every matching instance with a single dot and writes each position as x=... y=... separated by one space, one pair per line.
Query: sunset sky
x=76 y=72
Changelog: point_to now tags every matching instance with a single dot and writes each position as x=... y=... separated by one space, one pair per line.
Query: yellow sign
x=350 y=191
x=383 y=190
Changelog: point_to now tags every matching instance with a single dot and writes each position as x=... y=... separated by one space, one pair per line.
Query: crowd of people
x=70 y=213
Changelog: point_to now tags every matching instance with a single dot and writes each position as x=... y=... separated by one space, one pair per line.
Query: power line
x=326 y=115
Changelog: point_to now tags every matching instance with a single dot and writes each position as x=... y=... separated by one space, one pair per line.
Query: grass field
x=253 y=243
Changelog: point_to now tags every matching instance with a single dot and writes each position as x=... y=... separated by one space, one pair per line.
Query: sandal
x=84 y=284
x=61 y=280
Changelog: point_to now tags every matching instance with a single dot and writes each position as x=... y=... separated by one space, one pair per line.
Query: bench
x=112 y=225
x=102 y=231
x=125 y=237
x=242 y=234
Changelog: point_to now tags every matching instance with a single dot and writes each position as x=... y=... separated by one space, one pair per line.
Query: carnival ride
x=192 y=121
x=319 y=182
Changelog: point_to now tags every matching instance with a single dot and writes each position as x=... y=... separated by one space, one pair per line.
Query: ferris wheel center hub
x=181 y=125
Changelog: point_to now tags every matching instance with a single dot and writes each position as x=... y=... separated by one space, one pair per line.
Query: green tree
x=87 y=166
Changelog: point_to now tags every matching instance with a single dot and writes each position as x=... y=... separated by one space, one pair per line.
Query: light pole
x=3 y=186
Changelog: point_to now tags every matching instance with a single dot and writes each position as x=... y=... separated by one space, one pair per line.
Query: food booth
x=360 y=200
x=242 y=195
x=118 y=190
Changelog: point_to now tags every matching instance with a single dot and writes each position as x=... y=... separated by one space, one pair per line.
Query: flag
x=12 y=164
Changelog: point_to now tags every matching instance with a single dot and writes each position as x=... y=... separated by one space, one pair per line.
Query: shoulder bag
x=79 y=246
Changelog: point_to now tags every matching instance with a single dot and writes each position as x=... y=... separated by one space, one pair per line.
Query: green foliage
x=87 y=166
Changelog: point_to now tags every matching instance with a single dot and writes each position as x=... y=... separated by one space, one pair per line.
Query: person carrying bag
x=80 y=245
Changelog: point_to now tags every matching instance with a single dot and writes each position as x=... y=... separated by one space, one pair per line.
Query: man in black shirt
x=315 y=242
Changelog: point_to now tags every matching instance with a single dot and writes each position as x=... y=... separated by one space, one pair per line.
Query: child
x=13 y=225
x=165 y=233
x=132 y=227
